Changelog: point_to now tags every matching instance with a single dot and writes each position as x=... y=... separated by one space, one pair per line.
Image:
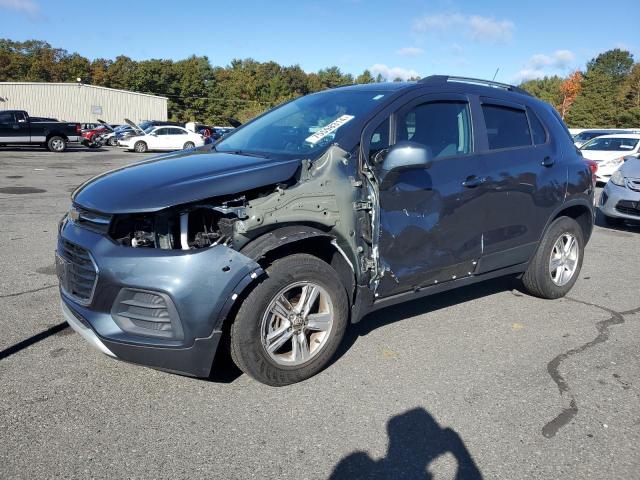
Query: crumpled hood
x=177 y=179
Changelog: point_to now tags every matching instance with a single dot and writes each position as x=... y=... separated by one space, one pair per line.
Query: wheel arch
x=580 y=211
x=56 y=134
x=287 y=240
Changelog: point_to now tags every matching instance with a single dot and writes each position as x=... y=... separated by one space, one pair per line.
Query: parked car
x=610 y=152
x=142 y=126
x=586 y=135
x=620 y=199
x=111 y=138
x=161 y=138
x=17 y=128
x=320 y=211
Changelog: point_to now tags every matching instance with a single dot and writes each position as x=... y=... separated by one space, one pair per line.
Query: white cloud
x=541 y=65
x=391 y=73
x=410 y=51
x=478 y=28
x=28 y=7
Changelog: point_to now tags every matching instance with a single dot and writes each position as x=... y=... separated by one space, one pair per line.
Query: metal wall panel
x=81 y=103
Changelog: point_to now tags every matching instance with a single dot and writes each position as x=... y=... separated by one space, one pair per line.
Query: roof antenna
x=495 y=74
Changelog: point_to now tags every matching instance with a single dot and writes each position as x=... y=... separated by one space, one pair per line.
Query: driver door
x=431 y=219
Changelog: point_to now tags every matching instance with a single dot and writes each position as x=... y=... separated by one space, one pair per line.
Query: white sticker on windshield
x=332 y=127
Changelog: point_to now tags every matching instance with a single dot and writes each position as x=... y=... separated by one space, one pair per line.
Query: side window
x=162 y=131
x=506 y=127
x=379 y=140
x=443 y=127
x=176 y=131
x=537 y=130
x=6 y=117
x=21 y=117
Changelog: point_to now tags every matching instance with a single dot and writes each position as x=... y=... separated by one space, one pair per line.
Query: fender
x=258 y=248
x=573 y=202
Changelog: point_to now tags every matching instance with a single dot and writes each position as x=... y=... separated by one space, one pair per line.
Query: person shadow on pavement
x=415 y=440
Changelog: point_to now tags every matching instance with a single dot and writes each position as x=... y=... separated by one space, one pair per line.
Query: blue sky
x=393 y=37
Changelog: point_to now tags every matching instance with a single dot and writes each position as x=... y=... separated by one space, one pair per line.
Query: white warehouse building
x=77 y=102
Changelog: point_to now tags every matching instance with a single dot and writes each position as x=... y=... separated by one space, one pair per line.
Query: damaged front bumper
x=154 y=307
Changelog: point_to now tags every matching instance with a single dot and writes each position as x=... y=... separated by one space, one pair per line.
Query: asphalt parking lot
x=485 y=379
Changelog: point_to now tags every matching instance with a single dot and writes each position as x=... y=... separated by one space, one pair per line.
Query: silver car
x=620 y=200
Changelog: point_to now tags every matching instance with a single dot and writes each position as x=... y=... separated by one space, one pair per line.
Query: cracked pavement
x=484 y=378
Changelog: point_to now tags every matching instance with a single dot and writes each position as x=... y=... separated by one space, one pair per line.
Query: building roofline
x=84 y=85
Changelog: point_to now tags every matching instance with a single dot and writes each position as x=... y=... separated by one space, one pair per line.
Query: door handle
x=473 y=181
x=548 y=161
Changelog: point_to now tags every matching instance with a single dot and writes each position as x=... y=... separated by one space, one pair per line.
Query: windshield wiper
x=246 y=153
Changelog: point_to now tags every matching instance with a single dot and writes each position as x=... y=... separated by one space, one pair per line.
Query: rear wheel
x=290 y=325
x=556 y=265
x=140 y=147
x=56 y=144
x=188 y=145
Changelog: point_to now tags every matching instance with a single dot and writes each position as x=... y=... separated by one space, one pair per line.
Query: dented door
x=431 y=220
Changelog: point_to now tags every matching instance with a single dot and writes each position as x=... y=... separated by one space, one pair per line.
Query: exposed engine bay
x=329 y=193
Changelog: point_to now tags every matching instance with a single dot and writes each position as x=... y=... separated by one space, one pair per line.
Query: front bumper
x=613 y=195
x=202 y=286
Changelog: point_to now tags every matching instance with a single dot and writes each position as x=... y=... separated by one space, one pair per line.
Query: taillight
x=78 y=129
x=593 y=166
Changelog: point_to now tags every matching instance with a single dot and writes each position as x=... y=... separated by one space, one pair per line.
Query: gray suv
x=314 y=214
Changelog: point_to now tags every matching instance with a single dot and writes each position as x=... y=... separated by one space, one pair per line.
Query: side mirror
x=153 y=134
x=405 y=155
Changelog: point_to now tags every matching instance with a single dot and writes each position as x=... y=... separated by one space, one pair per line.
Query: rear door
x=431 y=220
x=177 y=138
x=526 y=181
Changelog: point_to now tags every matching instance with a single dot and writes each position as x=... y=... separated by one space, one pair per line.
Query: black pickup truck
x=17 y=128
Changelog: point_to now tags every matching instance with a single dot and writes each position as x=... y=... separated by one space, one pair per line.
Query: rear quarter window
x=537 y=129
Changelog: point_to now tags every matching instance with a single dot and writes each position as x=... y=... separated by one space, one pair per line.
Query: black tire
x=56 y=144
x=537 y=279
x=613 y=221
x=140 y=147
x=112 y=142
x=188 y=145
x=247 y=350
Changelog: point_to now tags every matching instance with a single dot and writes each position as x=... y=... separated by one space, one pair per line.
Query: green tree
x=597 y=104
x=546 y=89
x=365 y=77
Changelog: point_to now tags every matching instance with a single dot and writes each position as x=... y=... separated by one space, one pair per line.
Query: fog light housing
x=147 y=313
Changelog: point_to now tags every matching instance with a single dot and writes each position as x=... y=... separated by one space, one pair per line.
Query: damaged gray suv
x=316 y=213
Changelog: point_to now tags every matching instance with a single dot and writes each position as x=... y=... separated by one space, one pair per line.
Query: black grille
x=78 y=273
x=628 y=208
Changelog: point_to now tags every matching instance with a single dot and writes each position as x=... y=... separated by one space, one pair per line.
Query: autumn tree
x=569 y=89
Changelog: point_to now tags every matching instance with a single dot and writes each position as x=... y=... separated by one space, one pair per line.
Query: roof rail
x=440 y=79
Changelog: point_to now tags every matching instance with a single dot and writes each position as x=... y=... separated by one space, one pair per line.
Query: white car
x=610 y=152
x=162 y=137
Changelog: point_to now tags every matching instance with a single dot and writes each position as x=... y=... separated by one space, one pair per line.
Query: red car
x=89 y=137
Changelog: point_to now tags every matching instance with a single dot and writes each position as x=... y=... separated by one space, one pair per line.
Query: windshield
x=617 y=144
x=304 y=126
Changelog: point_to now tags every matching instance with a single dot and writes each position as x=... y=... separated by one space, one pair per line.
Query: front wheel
x=140 y=147
x=112 y=142
x=290 y=325
x=56 y=144
x=556 y=265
